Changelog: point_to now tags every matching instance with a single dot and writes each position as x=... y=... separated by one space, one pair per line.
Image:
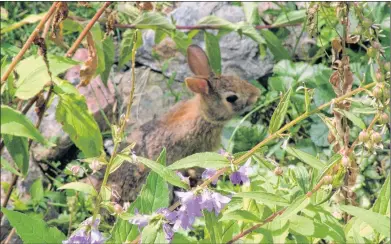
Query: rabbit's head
x=222 y=97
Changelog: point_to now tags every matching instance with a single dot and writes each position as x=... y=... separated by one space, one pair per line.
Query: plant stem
x=28 y=42
x=121 y=129
x=76 y=44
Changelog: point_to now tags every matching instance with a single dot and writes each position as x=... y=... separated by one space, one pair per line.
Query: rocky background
x=153 y=96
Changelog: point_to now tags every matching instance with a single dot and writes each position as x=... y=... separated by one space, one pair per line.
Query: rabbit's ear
x=197 y=85
x=198 y=61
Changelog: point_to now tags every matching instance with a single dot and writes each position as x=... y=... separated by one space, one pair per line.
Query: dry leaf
x=144 y=6
x=352 y=39
x=87 y=71
x=111 y=21
x=59 y=16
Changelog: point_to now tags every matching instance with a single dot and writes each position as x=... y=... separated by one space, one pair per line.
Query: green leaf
x=263 y=197
x=162 y=171
x=109 y=52
x=153 y=233
x=212 y=227
x=241 y=215
x=318 y=132
x=36 y=190
x=213 y=52
x=275 y=45
x=251 y=32
x=33 y=230
x=302 y=177
x=382 y=203
x=72 y=113
x=182 y=41
x=16 y=124
x=298 y=205
x=30 y=19
x=292 y=17
x=378 y=222
x=251 y=12
x=159 y=36
x=153 y=195
x=33 y=74
x=153 y=20
x=280 y=112
x=7 y=166
x=18 y=149
x=126 y=46
x=306 y=158
x=356 y=120
x=302 y=225
x=80 y=186
x=202 y=160
x=97 y=35
x=215 y=21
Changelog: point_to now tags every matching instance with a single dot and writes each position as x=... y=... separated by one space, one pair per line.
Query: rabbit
x=190 y=126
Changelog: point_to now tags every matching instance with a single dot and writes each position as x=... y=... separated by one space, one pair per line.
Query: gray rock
x=152 y=96
x=240 y=55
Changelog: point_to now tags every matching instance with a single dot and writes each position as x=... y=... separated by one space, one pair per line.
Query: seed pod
x=379 y=76
x=278 y=171
x=384 y=119
x=363 y=136
x=376 y=137
x=387 y=66
x=377 y=92
x=346 y=161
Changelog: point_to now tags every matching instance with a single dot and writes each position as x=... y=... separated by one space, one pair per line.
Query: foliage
x=306 y=165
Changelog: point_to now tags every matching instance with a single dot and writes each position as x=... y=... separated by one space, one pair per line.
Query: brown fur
x=189 y=127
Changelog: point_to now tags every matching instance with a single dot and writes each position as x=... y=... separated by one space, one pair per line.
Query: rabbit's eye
x=232 y=98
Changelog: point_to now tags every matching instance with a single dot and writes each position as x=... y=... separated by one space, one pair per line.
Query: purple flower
x=170 y=216
x=213 y=201
x=168 y=232
x=191 y=203
x=209 y=173
x=242 y=174
x=139 y=219
x=82 y=236
x=189 y=210
x=226 y=154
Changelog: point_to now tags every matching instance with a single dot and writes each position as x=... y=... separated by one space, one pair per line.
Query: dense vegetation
x=309 y=164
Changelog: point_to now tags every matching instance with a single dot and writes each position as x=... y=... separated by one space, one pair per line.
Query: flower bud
x=371 y=52
x=95 y=165
x=379 y=77
x=278 y=171
x=346 y=161
x=384 y=119
x=376 y=137
x=363 y=136
x=377 y=92
x=75 y=169
x=327 y=179
x=118 y=209
x=387 y=66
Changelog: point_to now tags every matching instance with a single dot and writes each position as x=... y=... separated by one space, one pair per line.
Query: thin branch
x=28 y=43
x=251 y=229
x=76 y=44
x=188 y=27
